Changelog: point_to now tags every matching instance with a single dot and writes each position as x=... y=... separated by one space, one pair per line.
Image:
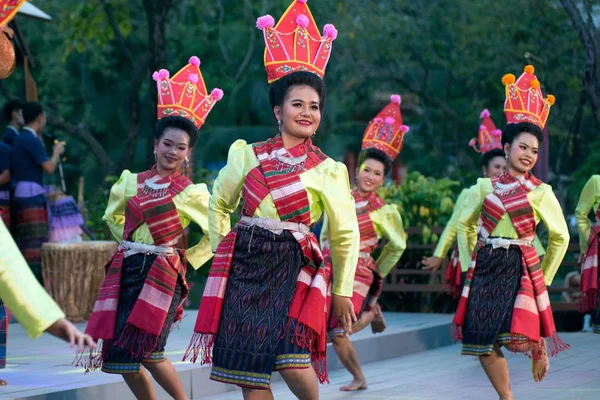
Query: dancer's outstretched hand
x=431 y=263
x=66 y=331
x=343 y=309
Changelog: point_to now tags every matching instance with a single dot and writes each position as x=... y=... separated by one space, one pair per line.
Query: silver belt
x=506 y=243
x=277 y=227
x=132 y=248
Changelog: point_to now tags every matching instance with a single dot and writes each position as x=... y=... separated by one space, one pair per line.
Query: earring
x=314 y=134
x=279 y=125
x=154 y=155
x=187 y=162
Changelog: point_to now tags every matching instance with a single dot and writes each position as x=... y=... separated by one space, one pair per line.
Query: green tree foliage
x=445 y=57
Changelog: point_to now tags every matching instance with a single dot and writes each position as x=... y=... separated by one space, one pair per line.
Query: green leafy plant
x=423 y=202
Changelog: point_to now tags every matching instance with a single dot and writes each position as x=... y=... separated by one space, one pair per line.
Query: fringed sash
x=589 y=270
x=278 y=174
x=453 y=274
x=532 y=315
x=154 y=206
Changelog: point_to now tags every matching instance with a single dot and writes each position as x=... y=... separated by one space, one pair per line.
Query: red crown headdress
x=524 y=99
x=385 y=132
x=295 y=44
x=8 y=9
x=185 y=93
x=489 y=136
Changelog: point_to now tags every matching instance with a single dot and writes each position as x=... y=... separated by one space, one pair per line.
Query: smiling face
x=370 y=175
x=522 y=152
x=171 y=149
x=300 y=113
x=496 y=166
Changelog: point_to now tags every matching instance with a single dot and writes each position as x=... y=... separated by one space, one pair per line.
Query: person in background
x=376 y=219
x=493 y=163
x=29 y=163
x=13 y=115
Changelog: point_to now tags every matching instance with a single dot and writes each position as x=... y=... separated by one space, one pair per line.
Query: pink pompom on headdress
x=330 y=31
x=302 y=20
x=266 y=21
x=389 y=120
x=217 y=94
x=160 y=75
x=484 y=114
x=377 y=120
x=301 y=1
x=193 y=78
x=497 y=133
x=195 y=61
x=395 y=98
x=404 y=128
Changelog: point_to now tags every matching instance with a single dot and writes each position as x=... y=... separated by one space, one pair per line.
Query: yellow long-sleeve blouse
x=388 y=224
x=588 y=200
x=328 y=190
x=545 y=208
x=449 y=236
x=20 y=291
x=191 y=204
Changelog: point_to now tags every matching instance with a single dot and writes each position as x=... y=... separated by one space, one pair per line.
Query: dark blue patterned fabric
x=492 y=297
x=251 y=342
x=3 y=334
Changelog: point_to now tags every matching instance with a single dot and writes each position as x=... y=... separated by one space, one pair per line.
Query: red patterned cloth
x=146 y=320
x=454 y=274
x=589 y=270
x=367 y=280
x=291 y=200
x=532 y=315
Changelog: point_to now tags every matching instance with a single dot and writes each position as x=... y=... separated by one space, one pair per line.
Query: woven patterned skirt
x=491 y=300
x=135 y=271
x=3 y=334
x=31 y=230
x=252 y=340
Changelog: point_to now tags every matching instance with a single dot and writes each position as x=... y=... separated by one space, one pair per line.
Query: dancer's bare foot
x=378 y=324
x=356 y=384
x=540 y=362
x=3 y=382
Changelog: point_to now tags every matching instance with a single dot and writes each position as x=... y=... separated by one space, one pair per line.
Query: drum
x=73 y=274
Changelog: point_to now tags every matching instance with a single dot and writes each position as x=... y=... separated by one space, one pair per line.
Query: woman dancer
x=263 y=308
x=505 y=301
x=588 y=241
x=376 y=219
x=145 y=284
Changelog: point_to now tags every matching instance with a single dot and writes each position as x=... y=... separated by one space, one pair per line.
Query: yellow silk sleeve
x=226 y=193
x=551 y=214
x=195 y=207
x=448 y=237
x=21 y=293
x=468 y=221
x=344 y=238
x=120 y=193
x=324 y=230
x=584 y=206
x=390 y=225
